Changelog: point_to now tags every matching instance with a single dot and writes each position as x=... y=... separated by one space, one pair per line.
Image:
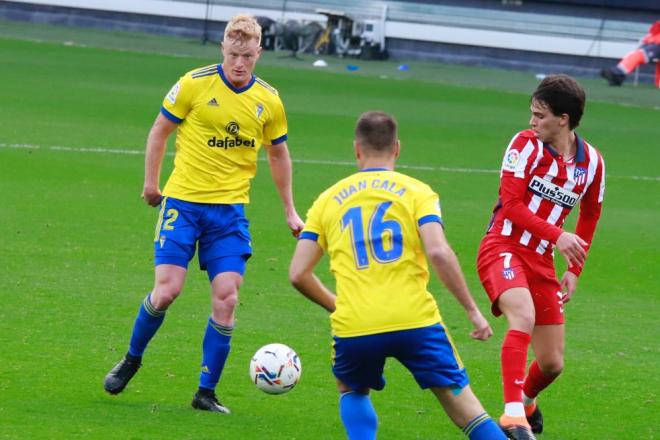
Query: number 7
x=507 y=259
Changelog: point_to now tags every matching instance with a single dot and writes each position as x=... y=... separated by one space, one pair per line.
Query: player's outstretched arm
x=153 y=158
x=280 y=168
x=446 y=265
x=301 y=274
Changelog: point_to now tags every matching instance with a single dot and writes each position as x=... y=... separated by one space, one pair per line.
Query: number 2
x=172 y=215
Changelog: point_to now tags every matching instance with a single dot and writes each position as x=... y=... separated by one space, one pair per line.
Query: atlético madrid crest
x=579 y=175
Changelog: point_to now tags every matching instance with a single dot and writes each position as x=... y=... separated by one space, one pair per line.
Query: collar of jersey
x=374 y=169
x=579 y=153
x=230 y=85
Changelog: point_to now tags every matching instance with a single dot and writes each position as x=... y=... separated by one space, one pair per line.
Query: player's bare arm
x=156 y=146
x=306 y=256
x=446 y=265
x=279 y=161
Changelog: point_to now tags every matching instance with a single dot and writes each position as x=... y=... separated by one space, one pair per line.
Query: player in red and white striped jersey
x=547 y=170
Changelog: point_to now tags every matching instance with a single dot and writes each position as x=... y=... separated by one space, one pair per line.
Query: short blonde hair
x=243 y=27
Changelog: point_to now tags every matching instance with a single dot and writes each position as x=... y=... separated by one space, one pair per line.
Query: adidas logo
x=213 y=102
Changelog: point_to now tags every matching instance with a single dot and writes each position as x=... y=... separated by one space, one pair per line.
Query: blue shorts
x=219 y=231
x=652 y=51
x=426 y=352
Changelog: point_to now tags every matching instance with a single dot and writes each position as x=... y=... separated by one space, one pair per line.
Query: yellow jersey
x=368 y=224
x=221 y=131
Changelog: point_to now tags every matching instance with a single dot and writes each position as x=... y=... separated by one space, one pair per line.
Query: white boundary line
x=102 y=150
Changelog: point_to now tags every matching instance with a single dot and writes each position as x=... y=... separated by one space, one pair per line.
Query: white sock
x=514 y=409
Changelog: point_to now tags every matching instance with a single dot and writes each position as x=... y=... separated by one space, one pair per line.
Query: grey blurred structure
x=572 y=36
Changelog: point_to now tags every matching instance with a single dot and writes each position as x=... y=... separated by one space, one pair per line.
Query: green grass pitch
x=76 y=253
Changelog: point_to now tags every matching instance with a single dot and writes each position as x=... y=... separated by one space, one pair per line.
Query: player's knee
x=552 y=367
x=164 y=294
x=522 y=320
x=528 y=320
x=518 y=307
x=226 y=298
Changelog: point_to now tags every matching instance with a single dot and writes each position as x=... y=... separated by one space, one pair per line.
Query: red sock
x=633 y=59
x=514 y=363
x=536 y=381
x=657 y=74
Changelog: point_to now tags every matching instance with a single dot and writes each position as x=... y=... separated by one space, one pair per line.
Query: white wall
x=179 y=9
x=509 y=40
x=393 y=29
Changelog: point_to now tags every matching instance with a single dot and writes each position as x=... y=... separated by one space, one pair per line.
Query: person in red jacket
x=647 y=52
x=547 y=171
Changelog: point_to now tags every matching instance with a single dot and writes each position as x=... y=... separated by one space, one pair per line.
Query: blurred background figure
x=647 y=52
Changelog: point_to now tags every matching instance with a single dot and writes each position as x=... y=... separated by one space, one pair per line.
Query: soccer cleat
x=613 y=76
x=516 y=428
x=117 y=379
x=535 y=418
x=207 y=401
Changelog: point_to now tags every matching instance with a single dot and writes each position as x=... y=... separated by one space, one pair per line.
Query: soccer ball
x=275 y=368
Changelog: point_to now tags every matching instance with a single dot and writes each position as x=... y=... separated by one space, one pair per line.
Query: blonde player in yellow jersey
x=223 y=114
x=376 y=225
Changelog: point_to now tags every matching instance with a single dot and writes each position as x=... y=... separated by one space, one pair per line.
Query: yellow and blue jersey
x=368 y=224
x=221 y=131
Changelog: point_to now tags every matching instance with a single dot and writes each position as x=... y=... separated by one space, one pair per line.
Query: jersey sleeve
x=313 y=229
x=427 y=208
x=520 y=155
x=275 y=130
x=516 y=167
x=178 y=101
x=590 y=209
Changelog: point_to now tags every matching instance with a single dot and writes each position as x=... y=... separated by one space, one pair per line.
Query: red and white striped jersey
x=538 y=189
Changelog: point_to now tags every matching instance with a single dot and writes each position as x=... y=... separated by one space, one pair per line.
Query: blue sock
x=483 y=427
x=146 y=325
x=215 y=351
x=358 y=415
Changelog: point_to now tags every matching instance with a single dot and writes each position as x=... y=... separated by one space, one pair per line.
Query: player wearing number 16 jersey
x=376 y=226
x=546 y=172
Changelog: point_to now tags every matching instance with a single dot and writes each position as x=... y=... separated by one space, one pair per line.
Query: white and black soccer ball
x=275 y=368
